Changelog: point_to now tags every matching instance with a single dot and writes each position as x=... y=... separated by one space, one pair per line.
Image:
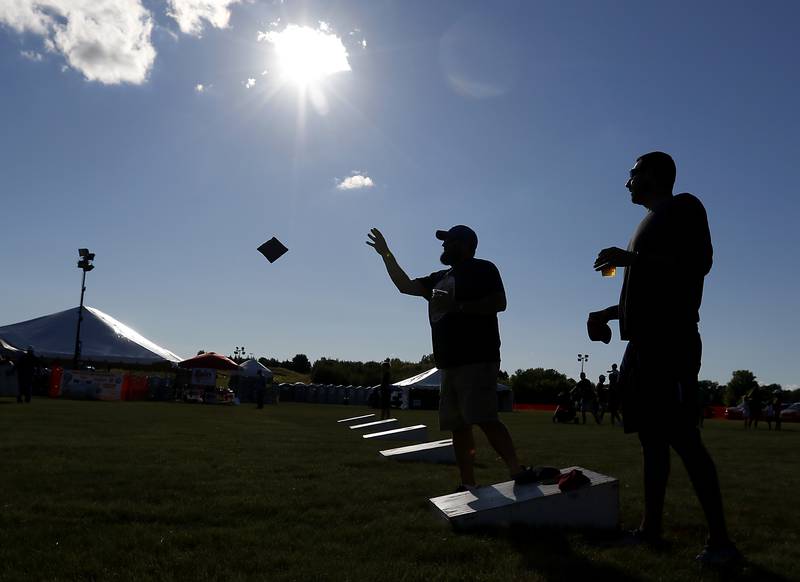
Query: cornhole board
x=374 y=426
x=430 y=452
x=356 y=419
x=594 y=506
x=418 y=432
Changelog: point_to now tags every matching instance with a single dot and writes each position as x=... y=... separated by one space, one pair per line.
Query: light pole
x=84 y=264
x=583 y=358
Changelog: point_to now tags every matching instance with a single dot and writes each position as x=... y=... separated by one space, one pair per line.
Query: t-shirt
x=464 y=338
x=659 y=301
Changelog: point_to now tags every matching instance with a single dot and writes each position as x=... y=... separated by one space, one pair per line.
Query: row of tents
x=418 y=392
x=106 y=340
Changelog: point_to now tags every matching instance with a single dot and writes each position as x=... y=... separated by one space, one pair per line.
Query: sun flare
x=307 y=55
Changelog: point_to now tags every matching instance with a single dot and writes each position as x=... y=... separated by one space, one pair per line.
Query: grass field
x=161 y=491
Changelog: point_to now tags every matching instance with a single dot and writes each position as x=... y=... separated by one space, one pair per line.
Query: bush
x=539 y=385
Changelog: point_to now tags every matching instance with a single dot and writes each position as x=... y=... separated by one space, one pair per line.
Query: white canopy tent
x=250 y=368
x=103 y=339
x=431 y=380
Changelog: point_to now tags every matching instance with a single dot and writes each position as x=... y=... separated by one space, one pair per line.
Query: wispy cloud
x=191 y=14
x=200 y=88
x=31 y=56
x=108 y=41
x=355 y=182
x=251 y=82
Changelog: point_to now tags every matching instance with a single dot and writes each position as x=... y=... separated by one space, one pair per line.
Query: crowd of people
x=596 y=399
x=756 y=407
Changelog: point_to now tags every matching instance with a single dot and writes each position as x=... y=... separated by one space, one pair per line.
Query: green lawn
x=159 y=491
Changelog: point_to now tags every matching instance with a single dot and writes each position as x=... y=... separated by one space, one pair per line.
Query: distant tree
x=502 y=376
x=539 y=385
x=200 y=352
x=427 y=359
x=769 y=390
x=742 y=381
x=301 y=363
x=715 y=394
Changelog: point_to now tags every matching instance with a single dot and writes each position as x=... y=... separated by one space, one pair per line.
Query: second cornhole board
x=356 y=419
x=418 y=432
x=594 y=506
x=375 y=425
x=430 y=452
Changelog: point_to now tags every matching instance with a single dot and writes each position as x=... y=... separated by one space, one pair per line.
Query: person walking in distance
x=463 y=302
x=584 y=392
x=27 y=368
x=613 y=396
x=665 y=266
x=261 y=388
x=601 y=401
x=386 y=390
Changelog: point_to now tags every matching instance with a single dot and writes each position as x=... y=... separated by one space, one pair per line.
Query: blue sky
x=520 y=119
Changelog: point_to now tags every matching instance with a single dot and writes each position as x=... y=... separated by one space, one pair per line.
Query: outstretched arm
x=398 y=276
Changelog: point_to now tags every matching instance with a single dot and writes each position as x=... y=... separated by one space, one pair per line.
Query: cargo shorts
x=468 y=395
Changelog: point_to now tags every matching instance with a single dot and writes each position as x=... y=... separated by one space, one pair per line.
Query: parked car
x=734 y=412
x=791 y=413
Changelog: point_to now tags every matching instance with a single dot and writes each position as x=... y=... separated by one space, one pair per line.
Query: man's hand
x=597 y=325
x=599 y=331
x=613 y=257
x=377 y=242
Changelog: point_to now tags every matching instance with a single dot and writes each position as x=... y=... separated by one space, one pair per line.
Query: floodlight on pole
x=583 y=358
x=85 y=265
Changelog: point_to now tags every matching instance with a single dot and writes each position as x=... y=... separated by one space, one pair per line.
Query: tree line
x=532 y=385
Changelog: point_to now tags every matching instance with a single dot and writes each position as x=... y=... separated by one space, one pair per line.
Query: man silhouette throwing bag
x=658 y=312
x=463 y=303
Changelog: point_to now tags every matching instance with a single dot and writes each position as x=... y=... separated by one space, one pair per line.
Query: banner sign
x=91 y=385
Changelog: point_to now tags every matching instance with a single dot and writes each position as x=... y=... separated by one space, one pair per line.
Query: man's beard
x=446 y=259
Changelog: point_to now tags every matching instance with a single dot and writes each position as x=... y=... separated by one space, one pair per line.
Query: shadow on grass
x=549 y=553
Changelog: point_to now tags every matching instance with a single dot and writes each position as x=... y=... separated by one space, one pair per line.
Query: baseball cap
x=459 y=232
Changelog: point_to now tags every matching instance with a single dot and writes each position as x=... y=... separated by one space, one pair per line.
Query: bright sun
x=306 y=55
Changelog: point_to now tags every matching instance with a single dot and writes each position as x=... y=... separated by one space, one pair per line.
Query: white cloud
x=363 y=43
x=31 y=56
x=355 y=182
x=199 y=87
x=251 y=82
x=108 y=41
x=190 y=14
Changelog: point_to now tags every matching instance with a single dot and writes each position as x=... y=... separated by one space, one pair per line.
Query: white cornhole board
x=356 y=419
x=594 y=506
x=373 y=426
x=418 y=432
x=431 y=452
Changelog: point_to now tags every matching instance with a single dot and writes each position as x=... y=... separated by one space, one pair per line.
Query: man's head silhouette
x=652 y=178
x=459 y=244
x=583 y=376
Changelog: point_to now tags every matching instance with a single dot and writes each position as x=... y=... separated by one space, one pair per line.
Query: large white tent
x=431 y=380
x=251 y=368
x=103 y=338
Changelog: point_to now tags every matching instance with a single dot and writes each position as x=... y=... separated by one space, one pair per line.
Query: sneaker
x=724 y=555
